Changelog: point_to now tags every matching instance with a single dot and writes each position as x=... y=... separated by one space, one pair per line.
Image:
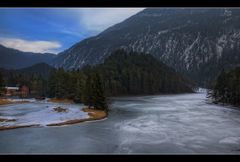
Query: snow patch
x=40 y=113
x=186 y=53
x=219 y=51
x=227 y=13
x=162 y=32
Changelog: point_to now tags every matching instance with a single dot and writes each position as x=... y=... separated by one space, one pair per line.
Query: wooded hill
x=132 y=73
x=226 y=88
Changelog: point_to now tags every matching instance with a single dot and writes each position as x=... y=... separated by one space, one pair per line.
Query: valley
x=162 y=80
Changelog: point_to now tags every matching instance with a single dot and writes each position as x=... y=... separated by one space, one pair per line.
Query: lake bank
x=44 y=114
x=4 y=101
x=93 y=115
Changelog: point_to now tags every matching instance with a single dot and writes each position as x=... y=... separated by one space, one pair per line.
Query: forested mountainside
x=131 y=73
x=41 y=69
x=197 y=42
x=122 y=73
x=226 y=88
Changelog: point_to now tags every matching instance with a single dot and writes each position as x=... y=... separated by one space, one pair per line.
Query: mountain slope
x=41 y=69
x=14 y=59
x=131 y=73
x=196 y=42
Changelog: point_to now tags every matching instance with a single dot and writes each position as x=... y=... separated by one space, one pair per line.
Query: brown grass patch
x=93 y=115
x=7 y=101
x=60 y=100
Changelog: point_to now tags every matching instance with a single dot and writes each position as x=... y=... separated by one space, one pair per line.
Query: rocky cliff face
x=196 y=42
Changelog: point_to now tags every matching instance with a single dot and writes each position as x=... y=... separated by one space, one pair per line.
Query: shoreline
x=7 y=101
x=2 y=128
x=145 y=95
x=93 y=115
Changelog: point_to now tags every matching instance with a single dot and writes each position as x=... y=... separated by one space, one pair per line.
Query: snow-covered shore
x=40 y=113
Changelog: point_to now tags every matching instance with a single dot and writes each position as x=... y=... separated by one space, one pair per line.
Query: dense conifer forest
x=123 y=73
x=138 y=73
x=226 y=88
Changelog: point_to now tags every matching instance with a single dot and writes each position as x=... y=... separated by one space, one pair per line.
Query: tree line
x=122 y=73
x=78 y=86
x=2 y=84
x=226 y=87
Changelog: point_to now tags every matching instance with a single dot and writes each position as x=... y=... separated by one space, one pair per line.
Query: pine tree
x=1 y=85
x=226 y=88
x=78 y=94
x=61 y=84
x=52 y=85
x=220 y=87
x=88 y=92
x=58 y=85
x=99 y=100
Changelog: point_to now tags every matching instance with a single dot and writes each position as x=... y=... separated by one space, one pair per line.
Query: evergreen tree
x=78 y=89
x=60 y=88
x=226 y=88
x=1 y=85
x=88 y=92
x=52 y=85
x=58 y=84
x=99 y=100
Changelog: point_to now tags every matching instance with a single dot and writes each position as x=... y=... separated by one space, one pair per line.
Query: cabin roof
x=12 y=88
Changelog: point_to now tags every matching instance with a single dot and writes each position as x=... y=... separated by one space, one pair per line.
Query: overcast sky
x=55 y=29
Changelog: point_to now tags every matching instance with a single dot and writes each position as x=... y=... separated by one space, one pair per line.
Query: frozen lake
x=184 y=123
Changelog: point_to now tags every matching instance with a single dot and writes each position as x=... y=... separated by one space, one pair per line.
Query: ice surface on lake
x=179 y=123
x=183 y=123
x=39 y=112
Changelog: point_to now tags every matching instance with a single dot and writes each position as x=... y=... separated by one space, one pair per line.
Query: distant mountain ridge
x=40 y=69
x=196 y=42
x=15 y=59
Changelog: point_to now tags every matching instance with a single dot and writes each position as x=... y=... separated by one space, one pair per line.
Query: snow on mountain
x=197 y=42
